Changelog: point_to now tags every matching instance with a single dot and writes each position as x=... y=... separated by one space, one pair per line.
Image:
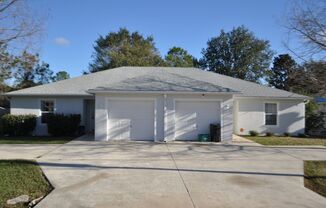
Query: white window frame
x=277 y=117
x=40 y=113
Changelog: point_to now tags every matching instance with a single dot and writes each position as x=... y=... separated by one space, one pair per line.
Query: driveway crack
x=183 y=181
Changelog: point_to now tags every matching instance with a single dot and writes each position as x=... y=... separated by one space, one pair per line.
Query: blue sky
x=72 y=26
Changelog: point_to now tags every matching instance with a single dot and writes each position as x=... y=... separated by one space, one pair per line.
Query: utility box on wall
x=215 y=132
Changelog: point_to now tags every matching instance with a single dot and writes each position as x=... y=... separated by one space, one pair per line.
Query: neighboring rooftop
x=154 y=79
x=320 y=99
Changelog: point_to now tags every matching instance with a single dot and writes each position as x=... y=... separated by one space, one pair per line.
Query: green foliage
x=4 y=100
x=253 y=133
x=278 y=140
x=29 y=72
x=238 y=54
x=315 y=176
x=35 y=140
x=283 y=66
x=287 y=134
x=18 y=125
x=7 y=61
x=63 y=125
x=311 y=107
x=269 y=134
x=178 y=57
x=61 y=75
x=1 y=128
x=123 y=48
x=20 y=177
x=315 y=121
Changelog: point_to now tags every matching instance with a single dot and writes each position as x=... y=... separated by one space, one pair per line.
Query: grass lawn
x=279 y=140
x=35 y=140
x=315 y=176
x=20 y=177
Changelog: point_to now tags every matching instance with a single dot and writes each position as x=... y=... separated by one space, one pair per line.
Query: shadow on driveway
x=94 y=167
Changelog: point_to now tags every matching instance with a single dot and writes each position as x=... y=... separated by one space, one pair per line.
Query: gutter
x=269 y=97
x=48 y=95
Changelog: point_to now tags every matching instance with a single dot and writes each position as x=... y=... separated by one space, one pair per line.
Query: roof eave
x=276 y=97
x=47 y=95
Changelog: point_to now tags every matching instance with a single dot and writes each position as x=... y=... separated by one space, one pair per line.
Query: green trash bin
x=203 y=137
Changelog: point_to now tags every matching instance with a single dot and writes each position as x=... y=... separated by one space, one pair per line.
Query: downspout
x=165 y=119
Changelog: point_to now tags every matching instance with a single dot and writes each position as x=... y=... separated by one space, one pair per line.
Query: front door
x=90 y=116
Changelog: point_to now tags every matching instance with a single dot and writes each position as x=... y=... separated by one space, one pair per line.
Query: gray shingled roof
x=163 y=82
x=157 y=79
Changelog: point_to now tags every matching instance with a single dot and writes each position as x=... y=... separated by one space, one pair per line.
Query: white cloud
x=62 y=41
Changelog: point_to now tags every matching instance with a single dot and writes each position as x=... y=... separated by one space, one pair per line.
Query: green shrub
x=269 y=134
x=315 y=121
x=63 y=125
x=253 y=133
x=302 y=135
x=287 y=134
x=18 y=125
x=1 y=128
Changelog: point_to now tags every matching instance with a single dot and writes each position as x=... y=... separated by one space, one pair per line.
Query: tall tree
x=179 y=57
x=306 y=21
x=309 y=79
x=30 y=72
x=20 y=27
x=7 y=62
x=61 y=75
x=42 y=73
x=123 y=48
x=18 y=23
x=239 y=54
x=283 y=66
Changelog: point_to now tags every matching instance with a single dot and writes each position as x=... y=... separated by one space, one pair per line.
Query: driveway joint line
x=184 y=183
x=42 y=155
x=289 y=154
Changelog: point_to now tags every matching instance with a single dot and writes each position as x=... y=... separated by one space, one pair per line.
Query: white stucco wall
x=247 y=113
x=250 y=115
x=165 y=109
x=32 y=105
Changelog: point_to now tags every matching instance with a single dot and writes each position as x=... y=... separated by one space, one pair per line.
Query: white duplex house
x=163 y=104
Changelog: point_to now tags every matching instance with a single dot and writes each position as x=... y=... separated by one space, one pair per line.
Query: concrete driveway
x=25 y=151
x=141 y=174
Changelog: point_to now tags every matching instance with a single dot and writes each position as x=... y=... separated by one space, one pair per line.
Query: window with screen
x=47 y=108
x=270 y=114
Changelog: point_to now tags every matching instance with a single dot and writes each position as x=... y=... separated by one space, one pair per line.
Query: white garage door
x=194 y=117
x=131 y=119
